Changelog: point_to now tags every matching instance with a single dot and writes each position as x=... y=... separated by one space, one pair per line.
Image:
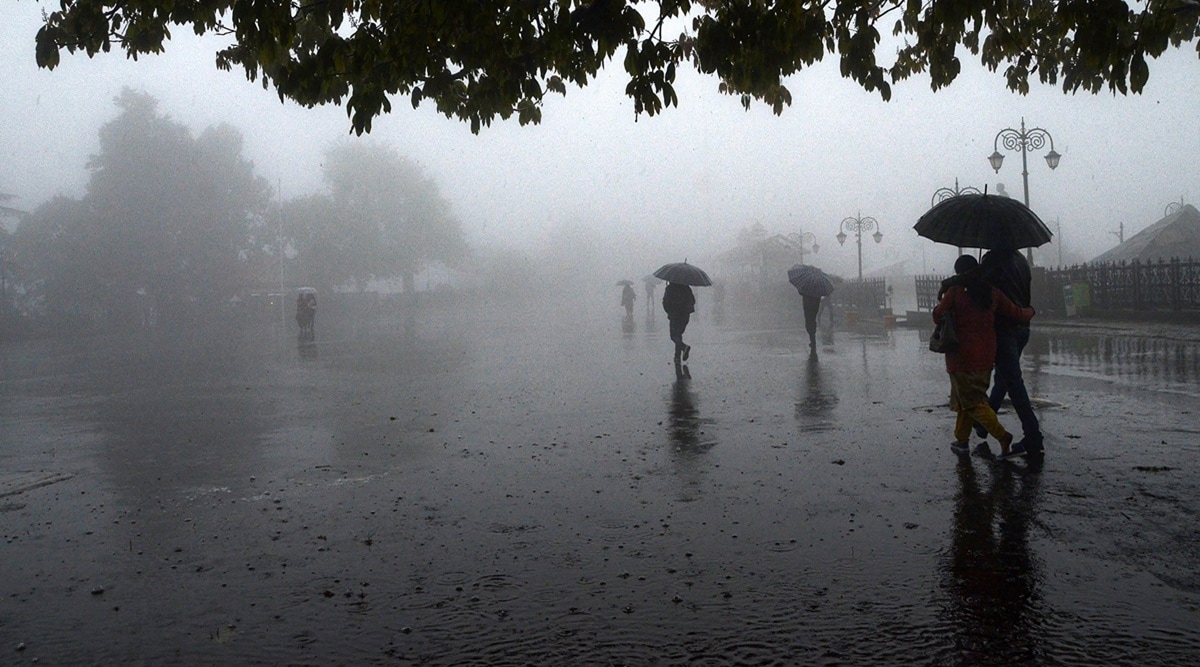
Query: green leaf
x=1139 y=73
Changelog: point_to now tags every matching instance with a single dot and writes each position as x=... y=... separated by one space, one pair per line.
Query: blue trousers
x=1010 y=342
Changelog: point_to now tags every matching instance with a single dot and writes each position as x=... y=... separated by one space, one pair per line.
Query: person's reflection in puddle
x=991 y=577
x=685 y=434
x=308 y=350
x=816 y=397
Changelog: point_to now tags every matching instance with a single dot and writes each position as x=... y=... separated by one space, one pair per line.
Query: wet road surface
x=504 y=489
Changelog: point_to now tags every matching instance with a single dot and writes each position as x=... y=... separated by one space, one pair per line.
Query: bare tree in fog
x=165 y=233
x=382 y=218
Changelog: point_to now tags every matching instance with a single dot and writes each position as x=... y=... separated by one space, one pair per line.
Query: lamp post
x=942 y=194
x=1119 y=233
x=802 y=239
x=858 y=225
x=1034 y=138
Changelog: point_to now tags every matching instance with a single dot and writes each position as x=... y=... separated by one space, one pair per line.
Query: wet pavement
x=502 y=488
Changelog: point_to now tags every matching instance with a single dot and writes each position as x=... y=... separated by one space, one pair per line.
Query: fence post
x=1175 y=287
x=1137 y=284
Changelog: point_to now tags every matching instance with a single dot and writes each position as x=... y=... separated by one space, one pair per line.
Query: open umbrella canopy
x=810 y=281
x=684 y=273
x=983 y=221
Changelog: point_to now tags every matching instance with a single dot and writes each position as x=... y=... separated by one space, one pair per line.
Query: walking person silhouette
x=679 y=302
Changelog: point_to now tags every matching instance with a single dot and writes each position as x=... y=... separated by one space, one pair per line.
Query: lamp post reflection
x=1034 y=138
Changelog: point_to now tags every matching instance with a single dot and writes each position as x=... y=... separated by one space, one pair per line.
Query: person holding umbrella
x=679 y=302
x=812 y=284
x=628 y=296
x=975 y=305
x=1002 y=226
x=1008 y=271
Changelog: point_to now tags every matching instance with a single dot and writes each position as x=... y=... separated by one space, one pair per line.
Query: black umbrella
x=983 y=221
x=682 y=272
x=810 y=281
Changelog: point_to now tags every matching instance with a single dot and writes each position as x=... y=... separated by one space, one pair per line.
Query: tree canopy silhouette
x=476 y=61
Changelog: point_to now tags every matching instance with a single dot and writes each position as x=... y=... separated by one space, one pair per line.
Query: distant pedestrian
x=650 y=285
x=628 y=296
x=975 y=305
x=1008 y=271
x=679 y=303
x=306 y=314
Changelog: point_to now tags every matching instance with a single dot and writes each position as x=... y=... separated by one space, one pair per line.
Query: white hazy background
x=675 y=185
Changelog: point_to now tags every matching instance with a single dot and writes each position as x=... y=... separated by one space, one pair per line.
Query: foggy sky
x=679 y=184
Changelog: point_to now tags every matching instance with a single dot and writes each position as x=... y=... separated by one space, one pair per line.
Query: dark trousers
x=1010 y=342
x=812 y=306
x=679 y=322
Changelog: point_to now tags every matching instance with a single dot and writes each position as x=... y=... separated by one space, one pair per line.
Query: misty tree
x=48 y=261
x=383 y=217
x=8 y=211
x=480 y=61
x=168 y=220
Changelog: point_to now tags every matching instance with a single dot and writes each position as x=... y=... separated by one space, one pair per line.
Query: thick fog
x=632 y=193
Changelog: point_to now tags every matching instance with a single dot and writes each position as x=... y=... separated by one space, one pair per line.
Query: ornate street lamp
x=802 y=240
x=858 y=225
x=942 y=194
x=1034 y=138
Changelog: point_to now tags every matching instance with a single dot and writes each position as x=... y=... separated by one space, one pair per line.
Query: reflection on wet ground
x=991 y=576
x=817 y=397
x=501 y=487
x=1158 y=363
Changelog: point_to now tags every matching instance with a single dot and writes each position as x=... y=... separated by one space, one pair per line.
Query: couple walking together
x=990 y=301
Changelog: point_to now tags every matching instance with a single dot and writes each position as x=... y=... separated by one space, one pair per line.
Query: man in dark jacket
x=680 y=303
x=1008 y=271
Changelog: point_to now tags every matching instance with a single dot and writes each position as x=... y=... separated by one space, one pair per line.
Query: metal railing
x=1140 y=287
x=870 y=294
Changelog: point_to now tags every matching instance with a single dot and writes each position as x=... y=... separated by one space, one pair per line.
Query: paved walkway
x=507 y=487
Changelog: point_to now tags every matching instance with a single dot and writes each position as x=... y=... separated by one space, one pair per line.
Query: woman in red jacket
x=974 y=304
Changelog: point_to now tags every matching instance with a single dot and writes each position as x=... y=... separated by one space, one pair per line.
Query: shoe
x=1017 y=451
x=981 y=431
x=960 y=447
x=1032 y=444
x=983 y=451
x=687 y=349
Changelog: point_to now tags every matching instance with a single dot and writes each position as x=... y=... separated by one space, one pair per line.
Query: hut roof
x=1176 y=235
